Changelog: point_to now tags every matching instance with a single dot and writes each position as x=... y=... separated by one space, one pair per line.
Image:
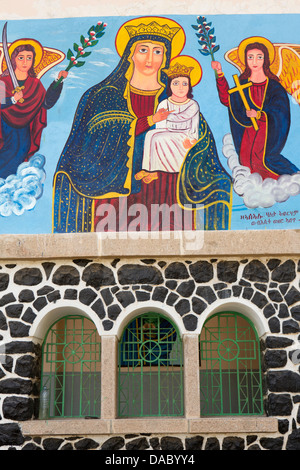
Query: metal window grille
x=230 y=369
x=150 y=378
x=71 y=374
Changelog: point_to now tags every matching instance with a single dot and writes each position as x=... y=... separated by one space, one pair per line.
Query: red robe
x=160 y=191
x=29 y=113
x=253 y=142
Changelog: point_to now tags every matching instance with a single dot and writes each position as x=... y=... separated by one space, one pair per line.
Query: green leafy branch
x=207 y=38
x=91 y=40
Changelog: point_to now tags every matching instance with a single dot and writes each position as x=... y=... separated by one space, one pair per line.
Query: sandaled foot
x=141 y=174
x=150 y=177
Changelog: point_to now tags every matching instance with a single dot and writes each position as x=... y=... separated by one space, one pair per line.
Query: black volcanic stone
x=278 y=342
x=186 y=289
x=98 y=307
x=10 y=434
x=292 y=296
x=271 y=443
x=45 y=290
x=275 y=295
x=3 y=324
x=113 y=443
x=18 y=329
x=283 y=381
x=14 y=311
x=198 y=305
x=275 y=358
x=48 y=267
x=53 y=296
x=140 y=443
x=206 y=293
x=269 y=310
x=28 y=277
x=194 y=443
x=107 y=325
x=256 y=271
x=17 y=408
x=52 y=443
x=98 y=275
x=160 y=293
x=259 y=299
x=183 y=306
x=233 y=443
x=172 y=297
x=176 y=270
x=279 y=404
x=293 y=441
x=142 y=296
x=171 y=443
x=26 y=295
x=4 y=280
x=295 y=312
x=86 y=444
x=274 y=325
x=212 y=443
x=227 y=271
x=66 y=275
x=70 y=294
x=26 y=366
x=290 y=326
x=285 y=272
x=202 y=271
x=138 y=274
x=87 y=296
x=7 y=299
x=113 y=311
x=283 y=311
x=107 y=296
x=190 y=322
x=16 y=386
x=40 y=303
x=126 y=298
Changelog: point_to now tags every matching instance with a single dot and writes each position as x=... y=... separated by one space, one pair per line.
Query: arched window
x=230 y=370
x=150 y=379
x=71 y=375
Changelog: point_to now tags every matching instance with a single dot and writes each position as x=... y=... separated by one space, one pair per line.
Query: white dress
x=163 y=148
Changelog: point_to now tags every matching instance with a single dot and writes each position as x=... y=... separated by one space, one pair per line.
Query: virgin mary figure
x=105 y=147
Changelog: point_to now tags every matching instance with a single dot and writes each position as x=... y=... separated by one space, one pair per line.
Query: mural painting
x=149 y=124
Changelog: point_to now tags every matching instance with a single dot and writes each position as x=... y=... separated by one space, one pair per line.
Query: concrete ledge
x=150 y=425
x=65 y=427
x=151 y=244
x=175 y=426
x=234 y=425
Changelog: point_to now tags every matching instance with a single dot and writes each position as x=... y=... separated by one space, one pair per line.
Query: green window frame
x=230 y=366
x=150 y=368
x=71 y=370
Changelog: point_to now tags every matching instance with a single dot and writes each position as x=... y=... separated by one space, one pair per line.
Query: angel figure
x=259 y=108
x=23 y=110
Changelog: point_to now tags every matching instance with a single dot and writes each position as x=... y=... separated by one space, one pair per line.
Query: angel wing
x=286 y=66
x=50 y=58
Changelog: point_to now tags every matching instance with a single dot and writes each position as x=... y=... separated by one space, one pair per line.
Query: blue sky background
x=230 y=30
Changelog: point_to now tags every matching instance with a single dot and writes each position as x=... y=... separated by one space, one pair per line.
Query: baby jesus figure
x=166 y=146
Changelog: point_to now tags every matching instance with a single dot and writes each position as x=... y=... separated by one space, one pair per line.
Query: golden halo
x=196 y=73
x=32 y=42
x=177 y=43
x=264 y=41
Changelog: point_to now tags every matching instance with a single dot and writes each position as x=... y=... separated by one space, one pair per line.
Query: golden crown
x=152 y=28
x=178 y=70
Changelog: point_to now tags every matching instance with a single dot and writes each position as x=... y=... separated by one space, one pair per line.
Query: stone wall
x=107 y=289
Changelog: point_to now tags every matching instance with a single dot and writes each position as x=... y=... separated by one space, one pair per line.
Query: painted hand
x=161 y=115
